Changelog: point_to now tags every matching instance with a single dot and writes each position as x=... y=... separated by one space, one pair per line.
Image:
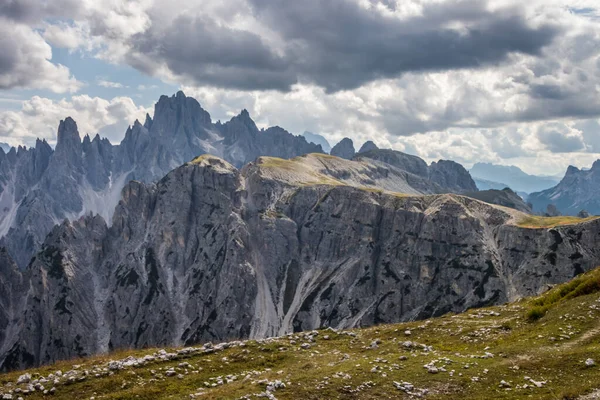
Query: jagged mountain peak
x=344 y=149
x=368 y=146
x=148 y=121
x=576 y=191
x=245 y=118
x=571 y=170
x=178 y=115
x=68 y=134
x=41 y=143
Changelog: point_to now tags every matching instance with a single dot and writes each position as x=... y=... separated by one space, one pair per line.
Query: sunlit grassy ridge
x=491 y=353
x=534 y=221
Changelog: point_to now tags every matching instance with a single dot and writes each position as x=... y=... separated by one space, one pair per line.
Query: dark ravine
x=212 y=253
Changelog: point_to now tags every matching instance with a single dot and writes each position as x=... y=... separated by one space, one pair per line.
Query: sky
x=501 y=81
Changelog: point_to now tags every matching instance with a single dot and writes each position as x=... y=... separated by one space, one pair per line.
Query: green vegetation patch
x=584 y=284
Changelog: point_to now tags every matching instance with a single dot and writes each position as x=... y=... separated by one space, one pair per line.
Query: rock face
x=452 y=175
x=210 y=253
x=505 y=197
x=40 y=187
x=576 y=191
x=449 y=175
x=344 y=149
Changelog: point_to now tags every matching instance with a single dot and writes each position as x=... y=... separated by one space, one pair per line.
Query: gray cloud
x=201 y=50
x=337 y=44
x=32 y=11
x=559 y=138
x=341 y=45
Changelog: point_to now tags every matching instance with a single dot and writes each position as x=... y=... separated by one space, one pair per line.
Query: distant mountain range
x=492 y=176
x=578 y=190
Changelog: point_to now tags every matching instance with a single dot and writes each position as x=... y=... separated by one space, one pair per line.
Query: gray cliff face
x=344 y=149
x=505 y=197
x=452 y=175
x=213 y=253
x=441 y=177
x=577 y=191
x=40 y=187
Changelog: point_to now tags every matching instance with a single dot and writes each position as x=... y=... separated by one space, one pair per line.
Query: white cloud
x=25 y=61
x=66 y=36
x=110 y=84
x=147 y=87
x=39 y=117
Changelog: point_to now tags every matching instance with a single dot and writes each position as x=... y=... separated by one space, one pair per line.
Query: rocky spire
x=571 y=170
x=147 y=122
x=368 y=146
x=178 y=115
x=68 y=139
x=344 y=149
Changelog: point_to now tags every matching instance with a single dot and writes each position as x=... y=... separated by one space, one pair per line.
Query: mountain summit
x=578 y=190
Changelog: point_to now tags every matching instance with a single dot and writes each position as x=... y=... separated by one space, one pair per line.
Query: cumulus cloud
x=25 y=61
x=39 y=117
x=560 y=138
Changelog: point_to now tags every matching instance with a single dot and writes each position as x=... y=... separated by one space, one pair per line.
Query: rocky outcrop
x=505 y=197
x=448 y=176
x=576 y=191
x=210 y=253
x=344 y=149
x=368 y=146
x=452 y=175
x=409 y=163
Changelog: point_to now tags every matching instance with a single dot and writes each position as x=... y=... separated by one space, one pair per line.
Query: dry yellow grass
x=534 y=221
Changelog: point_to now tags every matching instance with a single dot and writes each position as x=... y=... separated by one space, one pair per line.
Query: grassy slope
x=534 y=221
x=342 y=366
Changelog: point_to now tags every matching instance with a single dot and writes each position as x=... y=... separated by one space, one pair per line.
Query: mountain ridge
x=577 y=191
x=41 y=186
x=210 y=252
